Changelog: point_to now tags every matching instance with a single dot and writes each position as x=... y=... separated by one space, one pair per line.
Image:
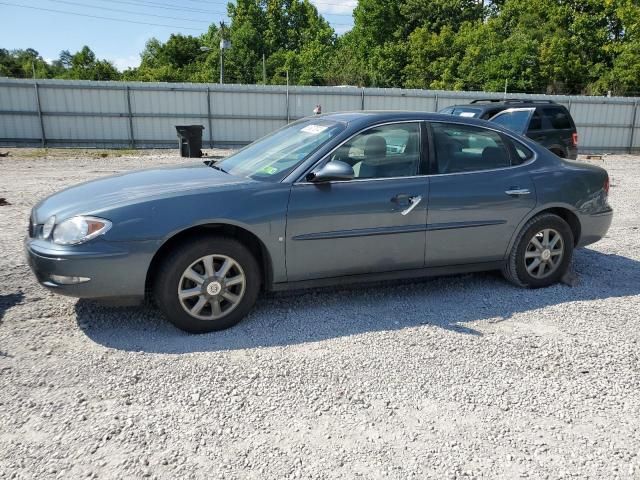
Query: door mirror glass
x=332 y=171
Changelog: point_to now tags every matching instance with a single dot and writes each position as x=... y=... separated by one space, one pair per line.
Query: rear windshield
x=462 y=111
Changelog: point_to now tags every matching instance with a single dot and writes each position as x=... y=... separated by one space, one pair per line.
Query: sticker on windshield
x=467 y=114
x=269 y=170
x=315 y=129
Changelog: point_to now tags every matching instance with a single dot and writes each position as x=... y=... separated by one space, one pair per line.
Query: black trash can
x=190 y=140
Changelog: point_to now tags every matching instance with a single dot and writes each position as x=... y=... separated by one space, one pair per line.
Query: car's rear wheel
x=541 y=253
x=207 y=284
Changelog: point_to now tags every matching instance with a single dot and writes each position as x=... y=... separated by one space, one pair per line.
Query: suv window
x=385 y=151
x=557 y=118
x=463 y=148
x=536 y=121
x=515 y=120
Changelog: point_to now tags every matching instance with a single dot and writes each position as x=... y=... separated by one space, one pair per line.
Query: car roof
x=364 y=117
x=500 y=104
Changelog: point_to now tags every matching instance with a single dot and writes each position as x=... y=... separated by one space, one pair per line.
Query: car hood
x=133 y=187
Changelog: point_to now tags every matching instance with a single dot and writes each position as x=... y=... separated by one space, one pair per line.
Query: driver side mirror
x=333 y=170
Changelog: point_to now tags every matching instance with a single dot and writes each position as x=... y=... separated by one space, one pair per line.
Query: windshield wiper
x=212 y=164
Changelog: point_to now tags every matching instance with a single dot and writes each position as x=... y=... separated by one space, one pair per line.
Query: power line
x=129 y=11
x=100 y=17
x=223 y=2
x=146 y=3
x=173 y=7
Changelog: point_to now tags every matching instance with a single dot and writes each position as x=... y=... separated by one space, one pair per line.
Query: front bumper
x=114 y=269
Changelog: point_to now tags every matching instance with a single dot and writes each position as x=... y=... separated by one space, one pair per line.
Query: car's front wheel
x=541 y=254
x=207 y=284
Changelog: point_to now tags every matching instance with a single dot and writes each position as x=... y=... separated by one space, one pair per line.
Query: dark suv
x=544 y=121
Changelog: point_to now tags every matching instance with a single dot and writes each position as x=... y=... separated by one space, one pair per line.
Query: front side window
x=385 y=151
x=465 y=148
x=274 y=156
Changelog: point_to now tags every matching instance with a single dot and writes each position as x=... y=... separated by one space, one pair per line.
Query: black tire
x=170 y=277
x=515 y=267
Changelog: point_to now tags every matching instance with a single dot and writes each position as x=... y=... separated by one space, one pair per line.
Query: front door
x=479 y=194
x=373 y=223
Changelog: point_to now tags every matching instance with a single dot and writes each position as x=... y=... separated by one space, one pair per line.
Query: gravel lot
x=457 y=377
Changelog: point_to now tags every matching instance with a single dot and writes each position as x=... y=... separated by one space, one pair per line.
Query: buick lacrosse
x=327 y=200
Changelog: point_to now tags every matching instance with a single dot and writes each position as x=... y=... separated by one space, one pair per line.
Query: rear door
x=479 y=192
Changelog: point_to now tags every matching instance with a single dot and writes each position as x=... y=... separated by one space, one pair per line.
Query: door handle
x=401 y=199
x=413 y=201
x=517 y=192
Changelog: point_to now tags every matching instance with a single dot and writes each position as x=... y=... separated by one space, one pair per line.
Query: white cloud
x=123 y=63
x=327 y=7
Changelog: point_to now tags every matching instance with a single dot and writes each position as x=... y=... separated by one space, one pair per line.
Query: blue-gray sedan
x=327 y=200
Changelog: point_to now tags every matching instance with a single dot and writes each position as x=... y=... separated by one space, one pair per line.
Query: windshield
x=271 y=158
x=514 y=120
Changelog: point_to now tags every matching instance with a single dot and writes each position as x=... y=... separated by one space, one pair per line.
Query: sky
x=50 y=26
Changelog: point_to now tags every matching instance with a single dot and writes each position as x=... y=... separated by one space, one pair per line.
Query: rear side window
x=464 y=148
x=558 y=118
x=523 y=154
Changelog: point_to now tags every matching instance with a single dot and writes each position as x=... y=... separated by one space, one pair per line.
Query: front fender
x=259 y=209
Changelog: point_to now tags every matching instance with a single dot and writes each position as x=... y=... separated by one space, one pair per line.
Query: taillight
x=574 y=139
x=605 y=187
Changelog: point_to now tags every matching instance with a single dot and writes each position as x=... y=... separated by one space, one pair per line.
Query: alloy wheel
x=211 y=287
x=544 y=253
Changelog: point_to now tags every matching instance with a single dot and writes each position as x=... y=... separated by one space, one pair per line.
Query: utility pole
x=224 y=44
x=221 y=61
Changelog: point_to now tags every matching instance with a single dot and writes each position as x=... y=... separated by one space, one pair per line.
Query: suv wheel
x=207 y=284
x=542 y=252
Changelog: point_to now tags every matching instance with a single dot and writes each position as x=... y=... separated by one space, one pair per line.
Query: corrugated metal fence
x=136 y=114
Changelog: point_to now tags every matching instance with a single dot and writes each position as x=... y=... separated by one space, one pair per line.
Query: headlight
x=79 y=229
x=48 y=226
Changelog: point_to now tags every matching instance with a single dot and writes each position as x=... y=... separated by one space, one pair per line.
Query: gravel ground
x=456 y=377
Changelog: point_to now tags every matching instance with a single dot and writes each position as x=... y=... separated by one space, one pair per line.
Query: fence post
x=209 y=117
x=43 y=137
x=288 y=118
x=132 y=140
x=436 y=107
x=633 y=126
x=362 y=99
